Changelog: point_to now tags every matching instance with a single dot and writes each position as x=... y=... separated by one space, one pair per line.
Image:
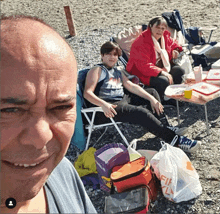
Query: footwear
x=177 y=130
x=188 y=145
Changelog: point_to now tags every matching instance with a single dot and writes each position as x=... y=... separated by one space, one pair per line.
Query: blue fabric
x=174 y=20
x=79 y=139
x=81 y=79
x=193 y=32
x=91 y=180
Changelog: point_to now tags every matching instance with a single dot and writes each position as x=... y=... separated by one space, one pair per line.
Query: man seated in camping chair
x=105 y=88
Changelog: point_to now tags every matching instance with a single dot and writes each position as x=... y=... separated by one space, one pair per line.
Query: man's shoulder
x=63 y=170
x=64 y=163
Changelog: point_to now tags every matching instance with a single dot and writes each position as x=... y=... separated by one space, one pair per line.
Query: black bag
x=172 y=20
x=133 y=201
x=200 y=59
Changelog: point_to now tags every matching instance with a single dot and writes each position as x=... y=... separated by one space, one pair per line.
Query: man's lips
x=26 y=164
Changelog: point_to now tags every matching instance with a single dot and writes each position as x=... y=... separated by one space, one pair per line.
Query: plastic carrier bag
x=179 y=179
x=184 y=62
x=133 y=154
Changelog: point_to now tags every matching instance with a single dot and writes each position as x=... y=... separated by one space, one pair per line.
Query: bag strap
x=133 y=144
x=112 y=190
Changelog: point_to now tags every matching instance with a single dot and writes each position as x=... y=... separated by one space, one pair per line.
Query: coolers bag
x=106 y=158
x=133 y=201
x=133 y=174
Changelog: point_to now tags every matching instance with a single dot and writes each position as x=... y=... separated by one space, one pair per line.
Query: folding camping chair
x=202 y=51
x=90 y=113
x=124 y=39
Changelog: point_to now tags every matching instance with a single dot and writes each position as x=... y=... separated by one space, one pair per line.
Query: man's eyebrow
x=64 y=100
x=11 y=100
x=18 y=101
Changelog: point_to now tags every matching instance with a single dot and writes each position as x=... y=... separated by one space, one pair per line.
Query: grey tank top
x=110 y=86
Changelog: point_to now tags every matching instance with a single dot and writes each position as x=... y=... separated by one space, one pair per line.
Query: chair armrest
x=208 y=28
x=211 y=29
x=92 y=109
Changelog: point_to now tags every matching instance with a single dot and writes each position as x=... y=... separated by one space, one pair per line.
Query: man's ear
x=102 y=55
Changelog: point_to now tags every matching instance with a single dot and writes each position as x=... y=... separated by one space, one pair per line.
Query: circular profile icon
x=10 y=203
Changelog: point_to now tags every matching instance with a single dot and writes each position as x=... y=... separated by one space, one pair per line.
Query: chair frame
x=91 y=126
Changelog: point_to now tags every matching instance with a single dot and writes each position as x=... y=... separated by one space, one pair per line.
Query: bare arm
x=90 y=85
x=168 y=75
x=136 y=89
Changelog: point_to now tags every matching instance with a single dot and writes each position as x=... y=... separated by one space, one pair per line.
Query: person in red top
x=151 y=57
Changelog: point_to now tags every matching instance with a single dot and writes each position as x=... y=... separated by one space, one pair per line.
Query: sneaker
x=178 y=131
x=188 y=145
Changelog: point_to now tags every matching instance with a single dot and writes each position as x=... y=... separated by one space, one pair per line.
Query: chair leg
x=88 y=140
x=90 y=130
x=123 y=137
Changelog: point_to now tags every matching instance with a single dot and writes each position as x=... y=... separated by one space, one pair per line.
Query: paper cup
x=188 y=94
x=198 y=73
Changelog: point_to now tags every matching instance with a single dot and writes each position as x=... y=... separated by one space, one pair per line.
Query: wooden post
x=69 y=21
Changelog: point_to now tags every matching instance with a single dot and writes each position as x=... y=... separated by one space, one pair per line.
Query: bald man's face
x=38 y=107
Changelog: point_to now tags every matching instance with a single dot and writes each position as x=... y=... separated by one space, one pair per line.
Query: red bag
x=134 y=174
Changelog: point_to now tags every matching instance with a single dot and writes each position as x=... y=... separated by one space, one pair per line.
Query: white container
x=198 y=73
x=216 y=64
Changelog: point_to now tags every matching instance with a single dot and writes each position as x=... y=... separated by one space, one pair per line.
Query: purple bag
x=106 y=158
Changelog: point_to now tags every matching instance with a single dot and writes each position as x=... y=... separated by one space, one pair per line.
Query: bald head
x=26 y=37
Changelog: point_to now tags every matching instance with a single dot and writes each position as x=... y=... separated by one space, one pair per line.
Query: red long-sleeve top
x=143 y=57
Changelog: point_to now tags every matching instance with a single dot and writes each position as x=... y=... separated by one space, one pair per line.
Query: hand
x=109 y=110
x=156 y=106
x=166 y=74
x=175 y=54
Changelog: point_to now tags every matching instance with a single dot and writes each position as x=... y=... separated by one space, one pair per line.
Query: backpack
x=172 y=19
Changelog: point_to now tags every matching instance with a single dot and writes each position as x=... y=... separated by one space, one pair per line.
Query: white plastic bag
x=184 y=62
x=133 y=154
x=179 y=179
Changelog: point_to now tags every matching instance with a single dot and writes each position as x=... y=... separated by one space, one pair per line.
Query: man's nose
x=38 y=133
